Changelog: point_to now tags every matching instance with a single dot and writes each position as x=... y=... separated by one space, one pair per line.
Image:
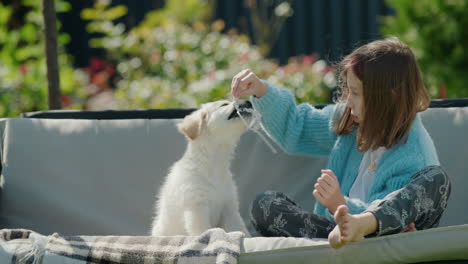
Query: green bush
x=436 y=31
x=175 y=65
x=23 y=78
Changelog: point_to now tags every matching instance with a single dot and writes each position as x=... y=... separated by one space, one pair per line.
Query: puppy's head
x=217 y=120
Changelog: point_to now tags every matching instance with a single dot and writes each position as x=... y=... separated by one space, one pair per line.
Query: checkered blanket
x=213 y=246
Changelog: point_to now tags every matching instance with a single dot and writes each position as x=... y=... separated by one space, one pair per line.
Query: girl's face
x=355 y=97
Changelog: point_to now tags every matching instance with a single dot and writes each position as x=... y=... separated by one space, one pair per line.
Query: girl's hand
x=327 y=191
x=246 y=83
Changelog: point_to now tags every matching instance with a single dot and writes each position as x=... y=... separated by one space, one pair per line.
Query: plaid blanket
x=213 y=246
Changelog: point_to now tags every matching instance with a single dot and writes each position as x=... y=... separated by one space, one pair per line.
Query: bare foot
x=349 y=228
x=410 y=228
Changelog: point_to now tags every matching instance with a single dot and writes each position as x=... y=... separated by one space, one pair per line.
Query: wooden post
x=50 y=31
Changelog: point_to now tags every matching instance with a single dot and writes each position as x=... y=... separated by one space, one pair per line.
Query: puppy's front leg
x=232 y=221
x=197 y=220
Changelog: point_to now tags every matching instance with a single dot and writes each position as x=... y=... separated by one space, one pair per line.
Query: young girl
x=375 y=142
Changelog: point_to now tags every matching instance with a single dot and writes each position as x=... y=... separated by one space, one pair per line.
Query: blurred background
x=126 y=54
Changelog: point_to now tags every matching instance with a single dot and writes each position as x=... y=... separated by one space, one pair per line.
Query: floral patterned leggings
x=422 y=201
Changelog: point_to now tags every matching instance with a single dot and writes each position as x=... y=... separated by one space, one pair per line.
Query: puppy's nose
x=245 y=104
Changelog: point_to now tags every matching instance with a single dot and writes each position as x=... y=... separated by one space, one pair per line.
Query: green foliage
x=23 y=78
x=436 y=31
x=170 y=64
x=101 y=17
x=188 y=13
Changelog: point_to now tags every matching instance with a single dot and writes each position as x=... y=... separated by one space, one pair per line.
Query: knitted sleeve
x=297 y=129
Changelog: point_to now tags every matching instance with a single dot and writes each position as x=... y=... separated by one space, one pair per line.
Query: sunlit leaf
x=89 y=14
x=28 y=33
x=5 y=12
x=62 y=6
x=115 y=12
x=63 y=39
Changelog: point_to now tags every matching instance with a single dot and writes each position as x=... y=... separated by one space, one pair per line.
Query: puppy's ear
x=193 y=124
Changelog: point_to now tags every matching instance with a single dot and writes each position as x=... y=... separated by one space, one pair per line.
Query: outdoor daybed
x=94 y=176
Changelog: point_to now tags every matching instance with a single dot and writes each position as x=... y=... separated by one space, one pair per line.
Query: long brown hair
x=393 y=92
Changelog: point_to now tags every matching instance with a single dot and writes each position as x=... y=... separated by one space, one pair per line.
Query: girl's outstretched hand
x=327 y=191
x=246 y=83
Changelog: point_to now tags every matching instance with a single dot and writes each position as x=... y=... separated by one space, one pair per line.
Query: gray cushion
x=100 y=177
x=438 y=244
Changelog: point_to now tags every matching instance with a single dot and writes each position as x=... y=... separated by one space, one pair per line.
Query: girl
x=373 y=137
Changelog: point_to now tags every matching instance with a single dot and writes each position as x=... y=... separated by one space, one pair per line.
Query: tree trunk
x=50 y=31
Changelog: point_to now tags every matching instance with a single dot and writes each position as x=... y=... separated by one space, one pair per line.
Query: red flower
x=24 y=68
x=211 y=75
x=243 y=57
x=308 y=59
x=97 y=64
x=66 y=100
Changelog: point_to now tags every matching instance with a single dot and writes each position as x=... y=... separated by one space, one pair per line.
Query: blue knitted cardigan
x=303 y=129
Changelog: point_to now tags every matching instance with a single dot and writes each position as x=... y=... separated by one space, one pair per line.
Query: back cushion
x=101 y=177
x=449 y=130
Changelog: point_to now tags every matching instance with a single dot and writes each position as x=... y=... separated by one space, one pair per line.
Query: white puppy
x=199 y=192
